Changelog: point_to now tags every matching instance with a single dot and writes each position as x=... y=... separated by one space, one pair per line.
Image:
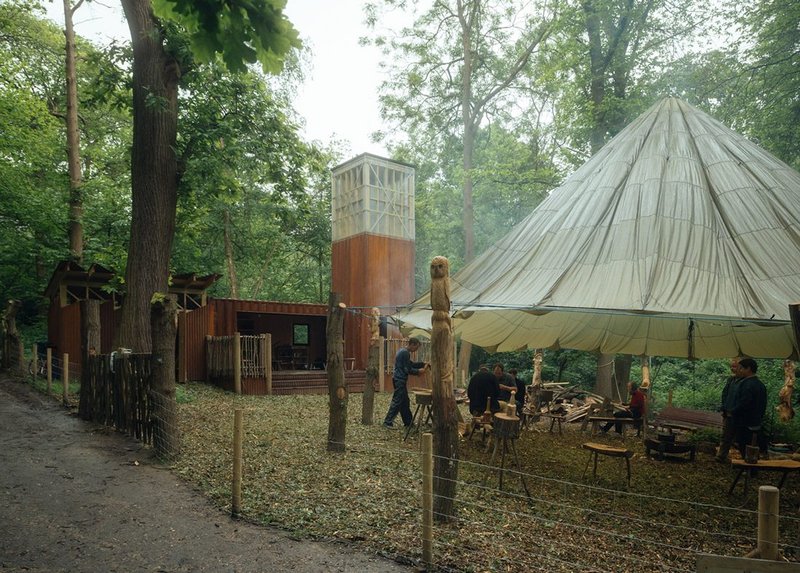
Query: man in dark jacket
x=750 y=406
x=403 y=366
x=482 y=388
x=727 y=403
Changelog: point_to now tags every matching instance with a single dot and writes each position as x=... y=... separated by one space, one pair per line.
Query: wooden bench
x=663 y=448
x=604 y=450
x=687 y=419
x=555 y=419
x=625 y=422
x=784 y=466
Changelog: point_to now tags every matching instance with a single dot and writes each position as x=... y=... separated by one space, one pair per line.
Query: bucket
x=751 y=454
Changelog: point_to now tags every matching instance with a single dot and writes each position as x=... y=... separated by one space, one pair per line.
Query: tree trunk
x=12 y=344
x=605 y=369
x=229 y=255
x=468 y=122
x=373 y=369
x=90 y=346
x=75 y=217
x=337 y=389
x=166 y=436
x=622 y=376
x=445 y=417
x=153 y=173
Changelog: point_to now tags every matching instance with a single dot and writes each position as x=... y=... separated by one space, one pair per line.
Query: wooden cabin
x=71 y=284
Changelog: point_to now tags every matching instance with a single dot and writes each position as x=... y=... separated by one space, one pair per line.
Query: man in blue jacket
x=403 y=366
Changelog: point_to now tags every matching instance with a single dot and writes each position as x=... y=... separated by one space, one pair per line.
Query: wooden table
x=672 y=426
x=625 y=422
x=784 y=466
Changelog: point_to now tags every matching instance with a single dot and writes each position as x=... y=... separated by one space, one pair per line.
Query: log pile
x=576 y=404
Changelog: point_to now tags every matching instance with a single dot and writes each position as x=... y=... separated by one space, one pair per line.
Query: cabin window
x=300 y=335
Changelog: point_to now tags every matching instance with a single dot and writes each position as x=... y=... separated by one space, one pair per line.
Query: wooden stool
x=602 y=449
x=555 y=419
x=424 y=399
x=480 y=423
x=506 y=431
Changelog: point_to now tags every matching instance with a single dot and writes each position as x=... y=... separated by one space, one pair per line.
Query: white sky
x=339 y=97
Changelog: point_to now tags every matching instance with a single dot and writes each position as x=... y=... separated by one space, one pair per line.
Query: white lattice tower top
x=372 y=195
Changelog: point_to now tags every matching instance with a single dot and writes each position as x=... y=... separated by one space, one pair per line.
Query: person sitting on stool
x=635 y=410
x=483 y=386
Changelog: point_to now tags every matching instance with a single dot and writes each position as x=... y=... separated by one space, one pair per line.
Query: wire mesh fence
x=371 y=494
x=547 y=516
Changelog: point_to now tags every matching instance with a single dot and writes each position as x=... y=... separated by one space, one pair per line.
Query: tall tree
x=34 y=183
x=773 y=70
x=241 y=157
x=242 y=32
x=457 y=67
x=605 y=57
x=73 y=137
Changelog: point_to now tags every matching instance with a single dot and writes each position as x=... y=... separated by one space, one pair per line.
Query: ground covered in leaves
x=370 y=494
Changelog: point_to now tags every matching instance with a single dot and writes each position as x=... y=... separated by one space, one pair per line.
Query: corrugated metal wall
x=193 y=327
x=69 y=337
x=370 y=270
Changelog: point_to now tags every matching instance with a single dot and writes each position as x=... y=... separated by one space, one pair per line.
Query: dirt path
x=74 y=499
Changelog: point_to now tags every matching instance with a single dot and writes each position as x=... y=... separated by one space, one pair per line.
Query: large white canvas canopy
x=679 y=238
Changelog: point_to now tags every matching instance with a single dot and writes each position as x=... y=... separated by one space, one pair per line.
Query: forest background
x=493 y=101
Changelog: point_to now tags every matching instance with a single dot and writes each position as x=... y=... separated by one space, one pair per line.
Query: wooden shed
x=297 y=333
x=71 y=284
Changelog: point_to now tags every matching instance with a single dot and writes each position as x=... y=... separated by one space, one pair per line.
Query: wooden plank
x=719 y=564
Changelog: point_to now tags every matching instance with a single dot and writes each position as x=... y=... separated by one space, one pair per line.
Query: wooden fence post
x=427 y=498
x=236 y=489
x=267 y=354
x=237 y=363
x=382 y=365
x=35 y=361
x=49 y=370
x=65 y=378
x=768 y=509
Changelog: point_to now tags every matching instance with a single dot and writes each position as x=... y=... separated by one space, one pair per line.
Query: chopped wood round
x=506 y=426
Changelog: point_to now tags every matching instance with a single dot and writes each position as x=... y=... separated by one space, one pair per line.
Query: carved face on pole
x=440 y=267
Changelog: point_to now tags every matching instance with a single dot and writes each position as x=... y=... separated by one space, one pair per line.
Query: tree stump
x=164 y=328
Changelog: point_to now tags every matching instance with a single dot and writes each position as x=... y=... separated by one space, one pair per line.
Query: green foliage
x=241 y=31
x=605 y=62
x=241 y=155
